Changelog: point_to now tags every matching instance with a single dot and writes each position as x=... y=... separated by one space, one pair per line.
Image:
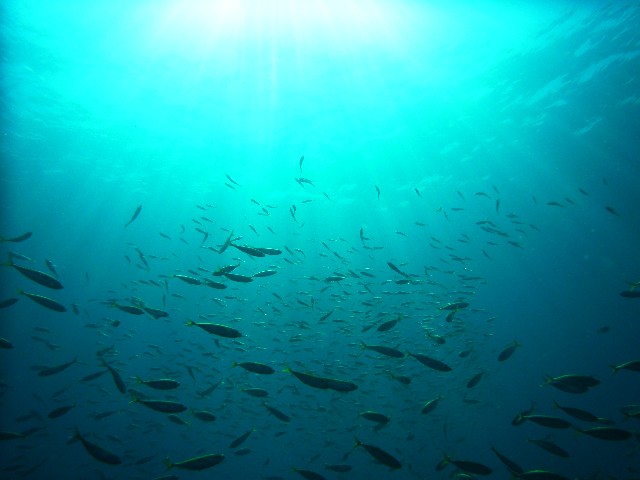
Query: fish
x=334 y=278
x=396 y=269
x=196 y=463
x=430 y=362
x=177 y=420
x=8 y=302
x=338 y=467
x=454 y=306
x=612 y=211
x=187 y=279
x=93 y=376
x=19 y=238
x=254 y=367
x=308 y=474
x=256 y=392
x=630 y=294
x=208 y=390
x=607 y=433
x=302 y=181
x=253 y=252
x=40 y=278
x=130 y=309
x=388 y=325
x=204 y=415
x=226 y=244
x=117 y=379
x=540 y=475
x=430 y=406
x=134 y=216
x=378 y=191
x=238 y=278
x=164 y=406
x=5 y=344
x=550 y=447
x=44 y=301
x=632 y=366
x=216 y=285
x=46 y=372
x=160 y=384
x=548 y=421
x=96 y=451
x=325 y=316
x=241 y=439
x=60 y=411
x=300 y=162
x=4 y=436
x=264 y=273
x=216 y=329
x=324 y=383
x=631 y=411
x=474 y=380
x=438 y=339
x=388 y=351
x=577 y=413
x=232 y=180
x=572 y=383
x=272 y=251
x=469 y=466
x=277 y=413
x=375 y=417
x=155 y=313
x=513 y=467
x=380 y=455
x=403 y=379
x=508 y=351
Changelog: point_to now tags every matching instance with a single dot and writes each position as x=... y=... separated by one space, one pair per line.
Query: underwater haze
x=320 y=239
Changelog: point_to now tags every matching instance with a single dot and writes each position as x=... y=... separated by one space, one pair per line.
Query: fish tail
x=190 y=322
x=358 y=442
x=614 y=369
x=167 y=462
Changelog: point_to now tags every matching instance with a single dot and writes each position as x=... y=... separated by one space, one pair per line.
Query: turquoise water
x=488 y=151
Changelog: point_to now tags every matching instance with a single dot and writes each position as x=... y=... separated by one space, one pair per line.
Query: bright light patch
x=197 y=27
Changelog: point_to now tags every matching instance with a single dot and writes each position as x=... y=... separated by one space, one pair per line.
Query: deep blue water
x=490 y=152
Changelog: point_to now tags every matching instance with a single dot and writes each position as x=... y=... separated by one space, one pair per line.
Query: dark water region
x=342 y=240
